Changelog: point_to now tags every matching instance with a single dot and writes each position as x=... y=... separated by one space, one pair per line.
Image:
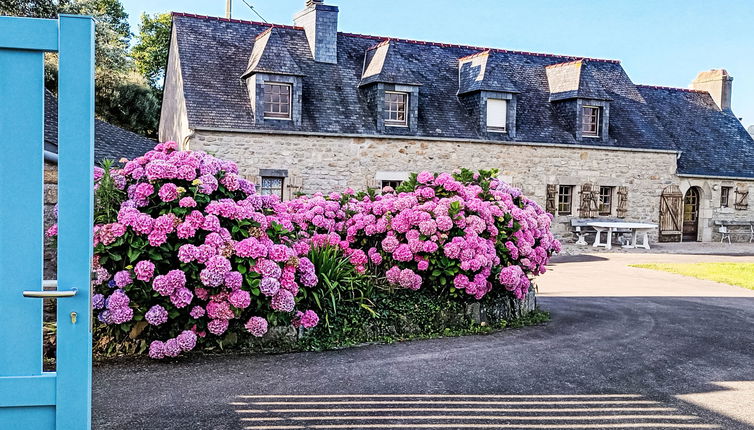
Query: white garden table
x=610 y=226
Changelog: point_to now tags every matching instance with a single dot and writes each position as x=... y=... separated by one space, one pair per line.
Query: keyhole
x=73 y=317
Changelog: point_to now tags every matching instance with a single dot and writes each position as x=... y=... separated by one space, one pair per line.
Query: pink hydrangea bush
x=186 y=251
x=466 y=232
x=194 y=253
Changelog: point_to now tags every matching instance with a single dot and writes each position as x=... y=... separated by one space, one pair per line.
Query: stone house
x=306 y=108
x=110 y=142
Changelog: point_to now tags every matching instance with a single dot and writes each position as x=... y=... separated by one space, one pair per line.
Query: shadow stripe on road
x=384 y=411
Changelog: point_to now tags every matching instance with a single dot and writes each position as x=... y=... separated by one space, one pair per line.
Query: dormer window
x=396 y=106
x=497 y=115
x=590 y=121
x=277 y=100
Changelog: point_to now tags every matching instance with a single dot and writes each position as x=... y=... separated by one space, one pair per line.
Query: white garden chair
x=724 y=234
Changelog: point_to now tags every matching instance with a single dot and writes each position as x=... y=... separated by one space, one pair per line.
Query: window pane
x=395 y=107
x=277 y=100
x=272 y=185
x=564 y=199
x=590 y=120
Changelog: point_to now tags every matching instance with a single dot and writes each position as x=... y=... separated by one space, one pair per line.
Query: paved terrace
x=626 y=348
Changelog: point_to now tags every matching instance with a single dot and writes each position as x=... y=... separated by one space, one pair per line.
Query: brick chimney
x=320 y=21
x=718 y=83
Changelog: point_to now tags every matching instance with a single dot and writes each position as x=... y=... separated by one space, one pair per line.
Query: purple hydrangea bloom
x=283 y=301
x=172 y=348
x=186 y=340
x=98 y=301
x=157 y=349
x=269 y=286
x=156 y=315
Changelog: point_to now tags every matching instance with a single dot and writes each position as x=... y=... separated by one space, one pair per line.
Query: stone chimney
x=718 y=83
x=320 y=21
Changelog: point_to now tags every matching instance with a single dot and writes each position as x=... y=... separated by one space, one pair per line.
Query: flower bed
x=187 y=253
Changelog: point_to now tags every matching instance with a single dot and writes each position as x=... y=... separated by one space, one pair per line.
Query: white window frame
x=491 y=120
x=599 y=121
x=264 y=190
x=270 y=115
x=397 y=123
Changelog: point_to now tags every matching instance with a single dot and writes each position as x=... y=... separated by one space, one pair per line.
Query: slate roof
x=271 y=56
x=110 y=142
x=482 y=72
x=574 y=79
x=216 y=52
x=385 y=63
x=712 y=142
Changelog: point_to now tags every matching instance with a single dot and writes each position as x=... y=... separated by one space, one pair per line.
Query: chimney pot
x=718 y=83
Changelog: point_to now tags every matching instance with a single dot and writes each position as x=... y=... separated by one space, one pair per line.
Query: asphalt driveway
x=626 y=348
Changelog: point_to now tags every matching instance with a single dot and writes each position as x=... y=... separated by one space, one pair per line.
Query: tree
x=29 y=8
x=150 y=53
x=122 y=97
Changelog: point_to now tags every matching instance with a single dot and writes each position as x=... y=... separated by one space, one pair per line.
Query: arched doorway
x=691 y=214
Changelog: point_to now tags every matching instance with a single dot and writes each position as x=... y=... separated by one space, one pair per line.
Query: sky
x=665 y=42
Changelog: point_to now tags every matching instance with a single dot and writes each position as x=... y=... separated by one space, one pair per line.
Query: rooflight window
x=590 y=121
x=277 y=100
x=396 y=106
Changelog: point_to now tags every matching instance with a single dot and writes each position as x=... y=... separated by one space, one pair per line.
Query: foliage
x=739 y=274
x=339 y=284
x=123 y=97
x=107 y=195
x=29 y=8
x=403 y=315
x=187 y=252
x=226 y=267
x=150 y=53
x=125 y=100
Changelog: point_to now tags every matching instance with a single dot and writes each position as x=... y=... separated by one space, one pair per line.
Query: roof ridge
x=567 y=63
x=238 y=21
x=661 y=87
x=476 y=54
x=416 y=42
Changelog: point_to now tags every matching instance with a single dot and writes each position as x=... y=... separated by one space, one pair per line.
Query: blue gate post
x=75 y=204
x=29 y=397
x=21 y=188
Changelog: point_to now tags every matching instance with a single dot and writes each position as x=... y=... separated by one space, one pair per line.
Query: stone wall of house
x=711 y=210
x=320 y=163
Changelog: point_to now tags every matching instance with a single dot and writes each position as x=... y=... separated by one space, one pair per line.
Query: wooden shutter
x=588 y=202
x=671 y=211
x=585 y=197
x=551 y=205
x=293 y=187
x=622 y=202
x=742 y=198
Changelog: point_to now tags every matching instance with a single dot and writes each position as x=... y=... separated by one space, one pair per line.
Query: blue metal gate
x=29 y=397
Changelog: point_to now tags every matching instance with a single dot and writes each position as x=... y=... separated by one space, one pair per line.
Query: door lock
x=74 y=315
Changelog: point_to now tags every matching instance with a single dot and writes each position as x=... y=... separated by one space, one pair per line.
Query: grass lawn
x=740 y=274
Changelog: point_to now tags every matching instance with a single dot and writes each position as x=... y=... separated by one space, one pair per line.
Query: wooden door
x=691 y=214
x=671 y=223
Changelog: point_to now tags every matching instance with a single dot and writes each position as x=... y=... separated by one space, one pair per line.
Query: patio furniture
x=729 y=229
x=609 y=227
x=582 y=227
x=724 y=234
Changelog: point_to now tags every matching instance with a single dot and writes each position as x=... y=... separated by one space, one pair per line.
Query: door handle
x=50 y=294
x=55 y=294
